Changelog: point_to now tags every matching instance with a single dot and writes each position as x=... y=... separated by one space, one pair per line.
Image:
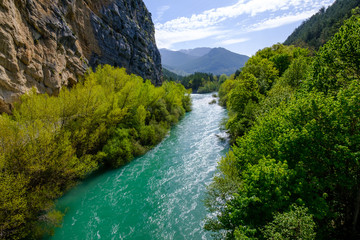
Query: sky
x=241 y=26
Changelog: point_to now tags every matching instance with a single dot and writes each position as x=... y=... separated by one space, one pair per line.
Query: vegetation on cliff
x=49 y=143
x=48 y=44
x=293 y=172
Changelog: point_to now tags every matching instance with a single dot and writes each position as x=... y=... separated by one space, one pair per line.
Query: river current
x=156 y=196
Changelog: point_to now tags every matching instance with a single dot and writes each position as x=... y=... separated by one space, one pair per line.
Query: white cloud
x=251 y=7
x=211 y=22
x=234 y=41
x=160 y=12
x=280 y=21
x=166 y=39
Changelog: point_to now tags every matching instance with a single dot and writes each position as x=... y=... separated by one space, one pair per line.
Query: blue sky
x=242 y=26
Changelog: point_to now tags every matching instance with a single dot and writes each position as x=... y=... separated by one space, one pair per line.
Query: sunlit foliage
x=49 y=143
x=274 y=73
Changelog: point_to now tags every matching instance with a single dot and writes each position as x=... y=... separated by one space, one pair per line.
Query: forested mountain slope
x=317 y=30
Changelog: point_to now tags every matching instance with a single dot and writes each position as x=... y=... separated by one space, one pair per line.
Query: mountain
x=48 y=44
x=217 y=61
x=197 y=52
x=208 y=60
x=175 y=58
x=317 y=30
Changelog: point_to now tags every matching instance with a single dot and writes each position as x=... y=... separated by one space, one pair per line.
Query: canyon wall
x=49 y=44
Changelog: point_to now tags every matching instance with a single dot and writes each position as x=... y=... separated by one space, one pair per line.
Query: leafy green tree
x=319 y=156
x=264 y=189
x=295 y=224
x=338 y=61
x=242 y=98
x=296 y=73
x=244 y=90
x=268 y=65
x=281 y=62
x=222 y=78
x=13 y=206
x=203 y=82
x=263 y=70
x=277 y=72
x=224 y=91
x=118 y=149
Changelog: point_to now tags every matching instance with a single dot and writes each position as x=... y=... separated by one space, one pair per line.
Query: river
x=156 y=196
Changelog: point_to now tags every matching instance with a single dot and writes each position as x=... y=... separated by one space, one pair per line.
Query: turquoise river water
x=157 y=196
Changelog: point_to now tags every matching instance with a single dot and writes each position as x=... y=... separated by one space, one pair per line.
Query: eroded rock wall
x=49 y=44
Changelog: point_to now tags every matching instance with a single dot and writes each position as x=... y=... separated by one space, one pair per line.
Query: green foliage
x=295 y=224
x=171 y=76
x=296 y=73
x=118 y=148
x=245 y=233
x=275 y=73
x=294 y=170
x=203 y=82
x=13 y=206
x=314 y=157
x=243 y=96
x=243 y=91
x=263 y=70
x=52 y=142
x=224 y=89
x=209 y=87
x=338 y=62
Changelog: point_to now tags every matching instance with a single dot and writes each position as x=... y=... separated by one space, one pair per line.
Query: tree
x=338 y=61
x=263 y=70
x=242 y=98
x=295 y=224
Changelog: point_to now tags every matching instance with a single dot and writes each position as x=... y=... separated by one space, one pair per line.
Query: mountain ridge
x=208 y=60
x=197 y=52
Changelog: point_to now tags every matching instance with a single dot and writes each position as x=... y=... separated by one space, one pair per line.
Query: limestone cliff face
x=48 y=44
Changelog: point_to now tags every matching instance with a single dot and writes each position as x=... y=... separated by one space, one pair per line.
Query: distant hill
x=174 y=58
x=208 y=60
x=317 y=30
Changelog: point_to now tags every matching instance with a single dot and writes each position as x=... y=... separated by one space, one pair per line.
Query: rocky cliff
x=48 y=44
